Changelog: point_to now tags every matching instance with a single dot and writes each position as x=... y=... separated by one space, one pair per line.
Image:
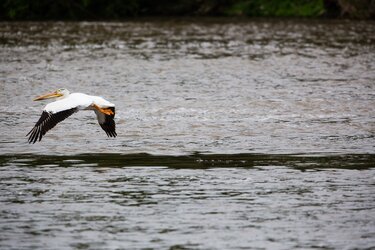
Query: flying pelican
x=66 y=105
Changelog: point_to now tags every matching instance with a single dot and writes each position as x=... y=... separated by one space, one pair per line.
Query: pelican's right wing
x=107 y=122
x=47 y=121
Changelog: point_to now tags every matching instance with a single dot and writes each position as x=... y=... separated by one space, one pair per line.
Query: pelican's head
x=58 y=93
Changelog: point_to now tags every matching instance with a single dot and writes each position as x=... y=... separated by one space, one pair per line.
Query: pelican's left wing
x=107 y=122
x=47 y=121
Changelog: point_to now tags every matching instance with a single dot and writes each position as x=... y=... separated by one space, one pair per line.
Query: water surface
x=196 y=202
x=195 y=86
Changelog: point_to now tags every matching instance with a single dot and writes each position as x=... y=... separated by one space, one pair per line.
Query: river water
x=231 y=134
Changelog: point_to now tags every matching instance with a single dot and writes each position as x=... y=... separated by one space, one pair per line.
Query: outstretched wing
x=47 y=121
x=107 y=122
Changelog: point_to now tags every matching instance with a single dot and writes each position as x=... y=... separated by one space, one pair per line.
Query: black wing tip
x=113 y=134
x=110 y=133
x=34 y=134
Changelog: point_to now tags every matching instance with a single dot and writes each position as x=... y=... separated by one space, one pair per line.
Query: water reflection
x=195 y=161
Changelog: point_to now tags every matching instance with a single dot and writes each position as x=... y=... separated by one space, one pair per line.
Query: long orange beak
x=47 y=96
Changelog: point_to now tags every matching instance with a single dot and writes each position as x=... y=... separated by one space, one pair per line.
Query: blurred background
x=117 y=9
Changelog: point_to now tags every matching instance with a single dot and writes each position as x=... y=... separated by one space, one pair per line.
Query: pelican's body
x=66 y=105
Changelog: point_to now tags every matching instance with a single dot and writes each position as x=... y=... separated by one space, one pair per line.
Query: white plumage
x=66 y=105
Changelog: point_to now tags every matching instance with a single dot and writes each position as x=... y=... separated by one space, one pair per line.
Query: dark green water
x=196 y=161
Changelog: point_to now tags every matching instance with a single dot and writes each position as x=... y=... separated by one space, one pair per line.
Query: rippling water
x=213 y=86
x=187 y=202
x=232 y=134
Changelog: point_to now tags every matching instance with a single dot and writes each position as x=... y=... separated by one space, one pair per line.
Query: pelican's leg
x=104 y=111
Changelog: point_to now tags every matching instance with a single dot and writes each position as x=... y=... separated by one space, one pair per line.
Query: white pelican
x=66 y=105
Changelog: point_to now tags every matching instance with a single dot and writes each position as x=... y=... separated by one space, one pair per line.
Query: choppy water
x=232 y=134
